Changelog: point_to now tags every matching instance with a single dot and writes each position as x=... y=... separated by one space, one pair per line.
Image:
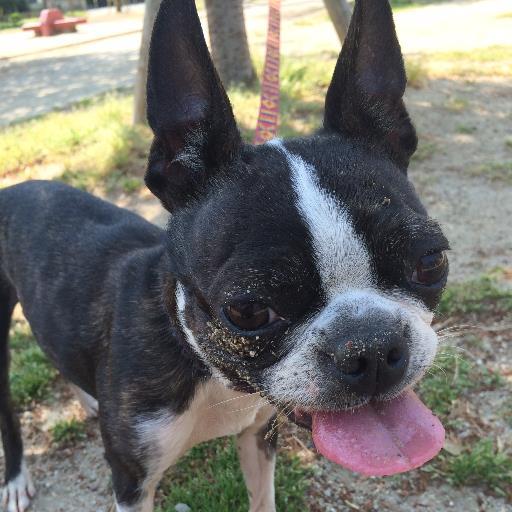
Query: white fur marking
x=180 y=303
x=298 y=377
x=341 y=255
x=145 y=506
x=165 y=437
x=18 y=492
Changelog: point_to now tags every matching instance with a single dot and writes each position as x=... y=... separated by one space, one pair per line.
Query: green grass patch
x=68 y=431
x=12 y=20
x=455 y=104
x=480 y=464
x=94 y=141
x=409 y=4
x=209 y=478
x=426 y=150
x=482 y=296
x=451 y=376
x=494 y=171
x=465 y=129
x=417 y=72
x=31 y=373
x=491 y=60
x=447 y=381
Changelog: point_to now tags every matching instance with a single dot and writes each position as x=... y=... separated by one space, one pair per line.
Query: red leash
x=268 y=118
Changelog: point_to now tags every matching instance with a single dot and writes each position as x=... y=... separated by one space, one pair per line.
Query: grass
x=451 y=377
x=483 y=296
x=93 y=142
x=426 y=150
x=31 y=373
x=209 y=478
x=494 y=171
x=12 y=20
x=487 y=61
x=455 y=104
x=465 y=129
x=68 y=431
x=480 y=464
x=417 y=72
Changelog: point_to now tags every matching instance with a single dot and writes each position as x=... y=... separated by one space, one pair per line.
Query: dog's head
x=308 y=269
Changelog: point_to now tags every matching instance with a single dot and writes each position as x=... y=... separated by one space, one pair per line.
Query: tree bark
x=139 y=106
x=228 y=41
x=340 y=13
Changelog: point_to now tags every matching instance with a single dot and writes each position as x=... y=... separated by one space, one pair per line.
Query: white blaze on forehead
x=341 y=255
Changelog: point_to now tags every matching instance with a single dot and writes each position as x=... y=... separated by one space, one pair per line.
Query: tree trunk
x=228 y=41
x=118 y=4
x=340 y=13
x=139 y=107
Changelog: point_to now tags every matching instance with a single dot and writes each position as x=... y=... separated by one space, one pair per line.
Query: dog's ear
x=188 y=109
x=364 y=99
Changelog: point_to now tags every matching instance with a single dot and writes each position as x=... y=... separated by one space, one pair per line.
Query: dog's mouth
x=378 y=438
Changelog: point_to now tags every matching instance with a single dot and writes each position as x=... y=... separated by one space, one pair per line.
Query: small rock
x=181 y=507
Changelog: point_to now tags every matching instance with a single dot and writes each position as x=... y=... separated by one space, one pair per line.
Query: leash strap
x=268 y=118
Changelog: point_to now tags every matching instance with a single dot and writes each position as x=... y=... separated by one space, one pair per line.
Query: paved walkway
x=31 y=87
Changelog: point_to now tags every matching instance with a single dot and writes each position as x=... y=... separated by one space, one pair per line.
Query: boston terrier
x=299 y=276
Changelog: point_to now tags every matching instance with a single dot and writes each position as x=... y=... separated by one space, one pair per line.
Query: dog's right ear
x=188 y=109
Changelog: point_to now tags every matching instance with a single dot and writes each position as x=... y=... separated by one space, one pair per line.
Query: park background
x=67 y=114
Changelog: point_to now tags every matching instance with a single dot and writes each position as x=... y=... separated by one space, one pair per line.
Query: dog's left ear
x=188 y=109
x=364 y=99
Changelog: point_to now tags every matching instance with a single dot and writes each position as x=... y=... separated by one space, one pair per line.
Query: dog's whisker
x=439 y=368
x=457 y=331
x=259 y=404
x=248 y=395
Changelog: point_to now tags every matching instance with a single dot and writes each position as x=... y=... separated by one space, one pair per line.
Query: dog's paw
x=18 y=492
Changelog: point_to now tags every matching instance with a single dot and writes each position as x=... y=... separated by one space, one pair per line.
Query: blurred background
x=72 y=109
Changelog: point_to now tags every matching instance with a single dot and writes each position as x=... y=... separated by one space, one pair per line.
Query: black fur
x=91 y=279
x=9 y=424
x=188 y=108
x=364 y=100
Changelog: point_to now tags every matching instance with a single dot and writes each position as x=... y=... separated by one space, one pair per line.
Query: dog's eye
x=430 y=269
x=250 y=316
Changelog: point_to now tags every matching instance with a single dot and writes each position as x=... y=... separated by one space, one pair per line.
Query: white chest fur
x=216 y=411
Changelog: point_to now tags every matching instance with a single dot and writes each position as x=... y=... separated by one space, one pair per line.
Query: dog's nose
x=373 y=364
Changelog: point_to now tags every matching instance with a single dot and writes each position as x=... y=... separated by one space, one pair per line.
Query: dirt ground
x=475 y=212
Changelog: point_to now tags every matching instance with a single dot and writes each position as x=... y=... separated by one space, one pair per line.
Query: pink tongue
x=380 y=439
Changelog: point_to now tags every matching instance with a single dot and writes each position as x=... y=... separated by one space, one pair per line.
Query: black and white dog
x=298 y=275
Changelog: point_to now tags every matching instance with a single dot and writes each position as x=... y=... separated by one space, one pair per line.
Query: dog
x=297 y=276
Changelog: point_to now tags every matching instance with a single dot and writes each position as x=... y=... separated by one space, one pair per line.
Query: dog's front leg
x=133 y=490
x=257 y=452
x=133 y=482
